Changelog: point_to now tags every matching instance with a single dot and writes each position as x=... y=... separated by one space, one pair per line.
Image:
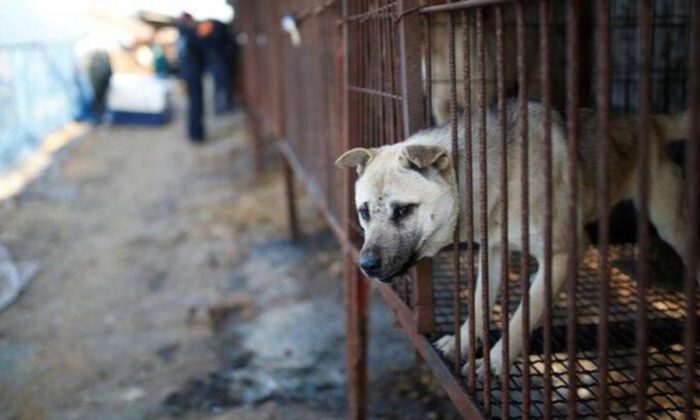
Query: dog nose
x=370 y=263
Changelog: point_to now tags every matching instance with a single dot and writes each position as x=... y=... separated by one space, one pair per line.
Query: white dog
x=408 y=201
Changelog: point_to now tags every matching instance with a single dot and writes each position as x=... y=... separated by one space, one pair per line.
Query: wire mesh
x=666 y=314
x=359 y=79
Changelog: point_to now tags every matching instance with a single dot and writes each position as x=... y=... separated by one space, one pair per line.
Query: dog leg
x=667 y=207
x=537 y=302
x=447 y=343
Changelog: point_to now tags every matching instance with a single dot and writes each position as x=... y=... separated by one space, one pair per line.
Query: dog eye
x=364 y=212
x=402 y=211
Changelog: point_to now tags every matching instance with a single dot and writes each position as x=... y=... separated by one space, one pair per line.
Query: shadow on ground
x=283 y=340
x=168 y=289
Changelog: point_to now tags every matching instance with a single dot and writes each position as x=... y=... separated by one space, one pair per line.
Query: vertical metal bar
x=546 y=264
x=395 y=106
x=413 y=120
x=411 y=94
x=278 y=85
x=396 y=83
x=573 y=8
x=364 y=73
x=455 y=161
x=484 y=241
x=376 y=81
x=469 y=189
x=503 y=136
x=253 y=81
x=291 y=201
x=341 y=102
x=693 y=171
x=428 y=67
x=603 y=187
x=367 y=75
x=356 y=290
x=276 y=44
x=424 y=307
x=643 y=234
x=356 y=286
x=380 y=47
x=388 y=74
x=524 y=213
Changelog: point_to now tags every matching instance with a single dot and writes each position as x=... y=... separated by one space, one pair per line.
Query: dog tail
x=674 y=127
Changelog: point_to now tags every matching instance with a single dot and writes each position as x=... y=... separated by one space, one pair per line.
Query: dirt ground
x=168 y=288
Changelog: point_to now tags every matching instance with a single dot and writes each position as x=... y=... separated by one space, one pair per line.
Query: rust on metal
x=483 y=220
x=291 y=202
x=603 y=201
x=643 y=233
x=469 y=191
x=573 y=8
x=413 y=120
x=372 y=86
x=377 y=92
x=409 y=37
x=525 y=207
x=464 y=4
x=546 y=265
x=503 y=136
x=457 y=299
x=693 y=171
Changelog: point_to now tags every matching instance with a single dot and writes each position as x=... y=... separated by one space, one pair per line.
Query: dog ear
x=358 y=158
x=422 y=156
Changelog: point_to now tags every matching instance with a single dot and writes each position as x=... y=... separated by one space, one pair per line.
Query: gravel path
x=167 y=282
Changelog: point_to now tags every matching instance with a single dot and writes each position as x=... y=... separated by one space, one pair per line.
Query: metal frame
x=359 y=80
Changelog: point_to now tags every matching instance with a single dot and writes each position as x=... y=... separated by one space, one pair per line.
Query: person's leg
x=101 y=99
x=218 y=62
x=218 y=72
x=195 y=115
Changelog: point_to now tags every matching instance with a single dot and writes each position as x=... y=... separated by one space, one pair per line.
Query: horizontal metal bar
x=461 y=5
x=375 y=92
x=378 y=12
x=452 y=385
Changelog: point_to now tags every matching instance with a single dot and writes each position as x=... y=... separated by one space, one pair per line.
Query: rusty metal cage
x=611 y=343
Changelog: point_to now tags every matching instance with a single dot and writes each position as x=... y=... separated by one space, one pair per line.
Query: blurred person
x=100 y=73
x=191 y=68
x=218 y=53
x=161 y=67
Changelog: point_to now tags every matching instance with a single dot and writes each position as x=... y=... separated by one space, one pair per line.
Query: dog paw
x=446 y=345
x=495 y=365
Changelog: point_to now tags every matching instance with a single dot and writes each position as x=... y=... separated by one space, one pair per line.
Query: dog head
x=406 y=205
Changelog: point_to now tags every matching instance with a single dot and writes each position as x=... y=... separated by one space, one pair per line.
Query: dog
x=409 y=201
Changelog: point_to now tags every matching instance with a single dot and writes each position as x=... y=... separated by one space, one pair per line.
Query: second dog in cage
x=409 y=199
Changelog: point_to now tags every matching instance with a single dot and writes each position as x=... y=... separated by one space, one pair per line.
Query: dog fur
x=408 y=200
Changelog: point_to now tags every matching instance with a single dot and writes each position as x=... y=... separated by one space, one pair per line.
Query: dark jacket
x=190 y=52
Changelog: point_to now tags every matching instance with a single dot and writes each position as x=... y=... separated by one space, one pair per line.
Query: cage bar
x=603 y=200
x=455 y=162
x=483 y=219
x=503 y=137
x=469 y=192
x=643 y=149
x=525 y=209
x=372 y=86
x=546 y=265
x=693 y=171
x=573 y=10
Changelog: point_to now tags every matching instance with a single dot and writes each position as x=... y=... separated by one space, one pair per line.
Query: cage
x=615 y=339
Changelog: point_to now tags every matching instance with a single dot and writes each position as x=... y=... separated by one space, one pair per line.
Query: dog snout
x=370 y=263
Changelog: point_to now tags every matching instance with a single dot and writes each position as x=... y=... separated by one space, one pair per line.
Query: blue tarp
x=39 y=93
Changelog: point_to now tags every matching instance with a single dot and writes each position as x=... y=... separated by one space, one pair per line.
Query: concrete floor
x=169 y=289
